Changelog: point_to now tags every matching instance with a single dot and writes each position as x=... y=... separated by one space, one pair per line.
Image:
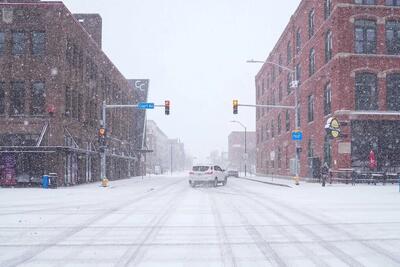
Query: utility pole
x=142 y=105
x=294 y=85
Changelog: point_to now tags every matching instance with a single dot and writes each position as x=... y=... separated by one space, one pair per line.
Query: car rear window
x=200 y=168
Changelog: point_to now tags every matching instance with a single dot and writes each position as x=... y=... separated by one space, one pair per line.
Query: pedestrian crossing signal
x=167 y=106
x=235 y=106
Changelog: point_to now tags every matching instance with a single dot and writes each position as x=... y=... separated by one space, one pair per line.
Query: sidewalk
x=277 y=181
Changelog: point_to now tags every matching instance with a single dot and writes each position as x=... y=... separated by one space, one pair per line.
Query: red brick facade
x=339 y=73
x=77 y=77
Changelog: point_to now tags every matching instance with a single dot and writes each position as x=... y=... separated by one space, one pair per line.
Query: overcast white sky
x=194 y=53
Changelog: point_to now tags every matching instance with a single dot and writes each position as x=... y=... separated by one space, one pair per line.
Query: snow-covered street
x=161 y=221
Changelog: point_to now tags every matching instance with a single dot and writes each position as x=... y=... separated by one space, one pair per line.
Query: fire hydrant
x=296 y=180
x=104 y=182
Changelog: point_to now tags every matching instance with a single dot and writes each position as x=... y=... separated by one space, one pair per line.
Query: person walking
x=324 y=172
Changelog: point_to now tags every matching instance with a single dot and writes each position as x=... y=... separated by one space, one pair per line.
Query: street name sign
x=145 y=105
x=297 y=135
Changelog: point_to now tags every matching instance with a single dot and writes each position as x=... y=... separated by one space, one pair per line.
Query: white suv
x=207 y=174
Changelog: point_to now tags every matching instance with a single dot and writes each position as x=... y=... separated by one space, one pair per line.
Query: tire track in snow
x=336 y=228
x=134 y=255
x=225 y=247
x=30 y=254
x=339 y=253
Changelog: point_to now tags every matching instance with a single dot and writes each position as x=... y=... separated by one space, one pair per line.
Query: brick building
x=236 y=151
x=346 y=56
x=157 y=141
x=53 y=80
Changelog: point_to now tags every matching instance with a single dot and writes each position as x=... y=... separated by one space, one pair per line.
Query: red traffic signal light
x=167 y=105
x=235 y=106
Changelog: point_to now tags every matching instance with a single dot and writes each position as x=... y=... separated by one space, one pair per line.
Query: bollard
x=104 y=182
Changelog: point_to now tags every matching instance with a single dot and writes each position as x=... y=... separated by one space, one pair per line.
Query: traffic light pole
x=104 y=150
x=103 y=155
x=294 y=85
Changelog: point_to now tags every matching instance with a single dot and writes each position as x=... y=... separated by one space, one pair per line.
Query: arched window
x=327 y=8
x=365 y=36
x=328 y=46
x=289 y=53
x=366 y=91
x=393 y=91
x=311 y=26
x=312 y=62
x=327 y=99
x=298 y=41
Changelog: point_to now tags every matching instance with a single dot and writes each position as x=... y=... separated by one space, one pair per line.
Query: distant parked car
x=207 y=174
x=232 y=173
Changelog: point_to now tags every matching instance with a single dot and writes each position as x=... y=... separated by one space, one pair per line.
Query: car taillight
x=191 y=172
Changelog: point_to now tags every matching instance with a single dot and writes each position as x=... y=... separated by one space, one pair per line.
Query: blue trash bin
x=45 y=181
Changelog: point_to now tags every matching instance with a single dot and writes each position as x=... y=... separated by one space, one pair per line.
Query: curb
x=263 y=182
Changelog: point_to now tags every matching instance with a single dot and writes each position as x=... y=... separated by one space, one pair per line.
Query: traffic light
x=167 y=105
x=235 y=106
x=102 y=139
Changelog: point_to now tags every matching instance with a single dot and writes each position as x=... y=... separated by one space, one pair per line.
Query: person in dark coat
x=324 y=172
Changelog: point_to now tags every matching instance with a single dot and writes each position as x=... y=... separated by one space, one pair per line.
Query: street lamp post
x=245 y=146
x=294 y=84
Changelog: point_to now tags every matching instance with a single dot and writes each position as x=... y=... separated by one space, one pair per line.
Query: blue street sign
x=297 y=136
x=144 y=105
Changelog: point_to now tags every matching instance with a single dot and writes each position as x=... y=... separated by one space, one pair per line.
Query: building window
x=327 y=8
x=289 y=53
x=393 y=37
x=289 y=83
x=327 y=99
x=266 y=132
x=17 y=98
x=366 y=91
x=262 y=86
x=311 y=64
x=365 y=2
x=280 y=93
x=310 y=105
x=328 y=46
x=262 y=135
x=365 y=37
x=18 y=43
x=272 y=129
x=392 y=2
x=279 y=124
x=297 y=73
x=310 y=148
x=38 y=43
x=68 y=102
x=298 y=41
x=2 y=98
x=38 y=98
x=280 y=64
x=75 y=104
x=2 y=43
x=273 y=74
x=69 y=52
x=287 y=119
x=311 y=22
x=81 y=102
x=279 y=157
x=393 y=91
